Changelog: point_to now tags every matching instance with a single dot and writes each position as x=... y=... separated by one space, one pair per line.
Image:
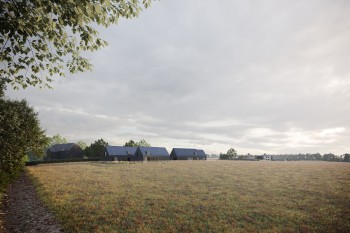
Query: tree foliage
x=40 y=39
x=142 y=142
x=328 y=157
x=230 y=154
x=2 y=88
x=82 y=144
x=96 y=149
x=346 y=157
x=223 y=156
x=20 y=134
x=57 y=139
x=130 y=143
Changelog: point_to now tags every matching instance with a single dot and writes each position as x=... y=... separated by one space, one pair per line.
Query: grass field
x=198 y=196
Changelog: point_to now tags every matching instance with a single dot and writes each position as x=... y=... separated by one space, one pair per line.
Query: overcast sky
x=258 y=76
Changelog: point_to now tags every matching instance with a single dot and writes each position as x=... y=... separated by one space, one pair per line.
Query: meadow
x=197 y=196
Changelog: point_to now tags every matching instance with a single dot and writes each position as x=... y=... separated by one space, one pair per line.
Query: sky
x=258 y=76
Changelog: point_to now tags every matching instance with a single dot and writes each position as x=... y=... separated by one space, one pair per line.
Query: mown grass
x=198 y=196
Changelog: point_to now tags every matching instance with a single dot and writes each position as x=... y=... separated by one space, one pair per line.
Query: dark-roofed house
x=187 y=154
x=120 y=153
x=64 y=151
x=150 y=153
x=201 y=154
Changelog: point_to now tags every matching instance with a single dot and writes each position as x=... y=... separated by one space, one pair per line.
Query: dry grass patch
x=198 y=196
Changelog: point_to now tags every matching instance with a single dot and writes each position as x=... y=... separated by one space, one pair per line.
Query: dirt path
x=24 y=211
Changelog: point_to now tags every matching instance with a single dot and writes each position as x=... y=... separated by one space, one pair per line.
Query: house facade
x=150 y=154
x=120 y=153
x=187 y=154
x=65 y=151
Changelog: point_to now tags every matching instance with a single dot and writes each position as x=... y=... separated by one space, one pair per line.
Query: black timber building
x=187 y=154
x=150 y=154
x=65 y=151
x=120 y=153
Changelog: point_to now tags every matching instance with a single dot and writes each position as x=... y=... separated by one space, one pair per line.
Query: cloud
x=262 y=77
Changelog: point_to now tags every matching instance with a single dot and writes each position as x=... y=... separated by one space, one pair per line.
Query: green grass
x=198 y=196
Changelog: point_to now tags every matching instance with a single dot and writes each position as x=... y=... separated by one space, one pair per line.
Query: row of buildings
x=123 y=153
x=141 y=153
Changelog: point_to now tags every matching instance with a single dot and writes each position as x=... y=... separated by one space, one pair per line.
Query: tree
x=328 y=157
x=232 y=153
x=143 y=142
x=317 y=156
x=39 y=39
x=96 y=149
x=82 y=144
x=223 y=156
x=346 y=157
x=57 y=139
x=20 y=134
x=132 y=143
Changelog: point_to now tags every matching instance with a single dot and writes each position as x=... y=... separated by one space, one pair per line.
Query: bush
x=20 y=133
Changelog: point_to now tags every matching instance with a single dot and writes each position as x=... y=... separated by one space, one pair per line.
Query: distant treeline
x=308 y=156
x=299 y=157
x=231 y=154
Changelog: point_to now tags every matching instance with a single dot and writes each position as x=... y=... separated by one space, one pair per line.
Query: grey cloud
x=210 y=74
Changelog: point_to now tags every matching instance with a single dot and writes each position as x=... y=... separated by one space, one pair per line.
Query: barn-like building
x=65 y=151
x=120 y=153
x=150 y=154
x=187 y=154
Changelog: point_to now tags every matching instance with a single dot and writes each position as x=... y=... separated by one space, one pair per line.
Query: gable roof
x=153 y=151
x=62 y=147
x=188 y=152
x=184 y=151
x=120 y=150
x=200 y=153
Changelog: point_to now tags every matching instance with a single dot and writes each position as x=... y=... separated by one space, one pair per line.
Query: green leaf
x=48 y=33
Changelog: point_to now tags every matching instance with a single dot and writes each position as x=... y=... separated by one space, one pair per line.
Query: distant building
x=187 y=154
x=264 y=157
x=247 y=157
x=150 y=154
x=120 y=153
x=64 y=152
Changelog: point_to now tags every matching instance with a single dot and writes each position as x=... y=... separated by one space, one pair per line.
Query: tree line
x=312 y=157
x=231 y=154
